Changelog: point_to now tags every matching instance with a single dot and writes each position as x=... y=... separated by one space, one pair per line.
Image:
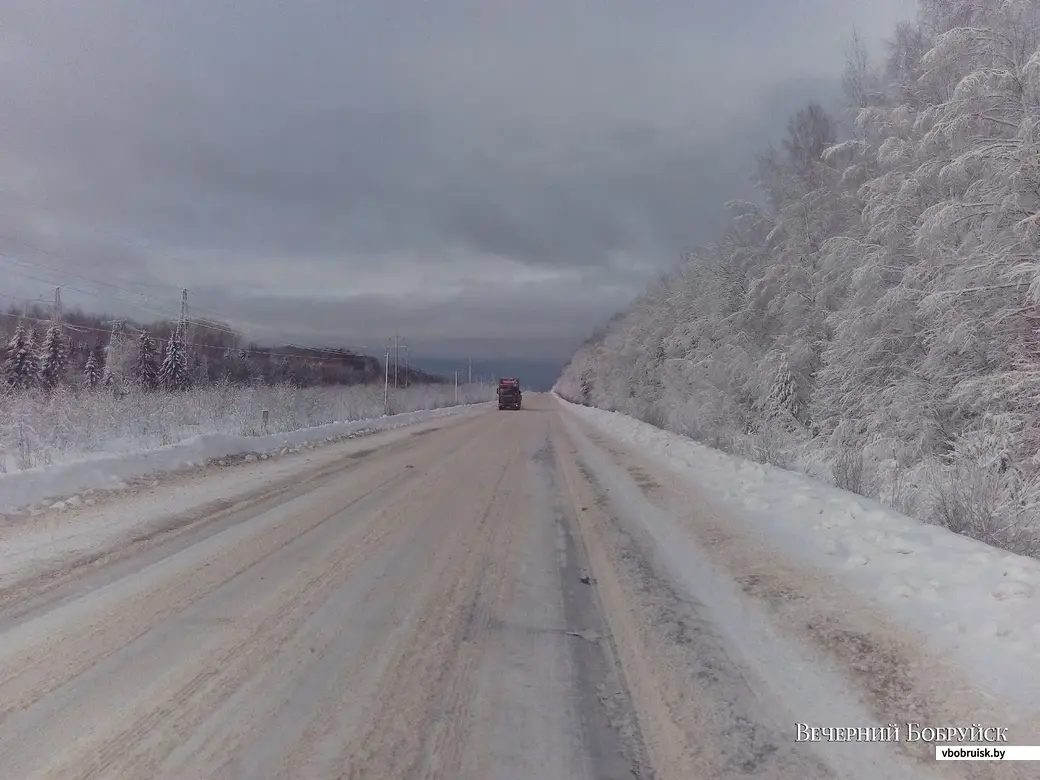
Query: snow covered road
x=493 y=595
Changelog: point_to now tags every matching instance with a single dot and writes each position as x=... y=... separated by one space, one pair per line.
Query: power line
x=169 y=315
x=167 y=287
x=325 y=354
x=164 y=313
x=330 y=355
x=40 y=250
x=157 y=307
x=91 y=280
x=63 y=272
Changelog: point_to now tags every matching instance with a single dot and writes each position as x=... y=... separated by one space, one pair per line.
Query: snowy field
x=974 y=602
x=54 y=446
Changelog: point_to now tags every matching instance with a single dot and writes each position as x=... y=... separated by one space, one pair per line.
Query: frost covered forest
x=75 y=384
x=874 y=320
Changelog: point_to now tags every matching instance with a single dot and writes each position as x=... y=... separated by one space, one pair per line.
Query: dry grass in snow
x=69 y=425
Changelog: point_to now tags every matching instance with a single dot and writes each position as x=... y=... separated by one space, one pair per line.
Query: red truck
x=509 y=396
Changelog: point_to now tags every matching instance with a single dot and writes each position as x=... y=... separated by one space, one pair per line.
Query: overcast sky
x=487 y=177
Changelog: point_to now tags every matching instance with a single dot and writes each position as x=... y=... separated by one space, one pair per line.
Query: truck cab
x=509 y=395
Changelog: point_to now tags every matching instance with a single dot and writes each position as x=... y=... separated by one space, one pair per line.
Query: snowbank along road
x=494 y=596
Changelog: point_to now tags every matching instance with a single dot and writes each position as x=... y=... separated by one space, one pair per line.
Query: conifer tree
x=92 y=371
x=146 y=370
x=53 y=358
x=21 y=367
x=173 y=374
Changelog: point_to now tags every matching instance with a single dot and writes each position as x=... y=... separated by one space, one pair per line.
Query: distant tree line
x=89 y=351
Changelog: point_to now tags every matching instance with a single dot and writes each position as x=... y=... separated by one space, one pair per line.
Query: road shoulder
x=883 y=671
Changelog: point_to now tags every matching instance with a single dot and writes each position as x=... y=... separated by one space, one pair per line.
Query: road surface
x=446 y=604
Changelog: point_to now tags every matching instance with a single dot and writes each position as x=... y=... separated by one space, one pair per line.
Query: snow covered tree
x=53 y=357
x=34 y=348
x=809 y=132
x=146 y=370
x=895 y=268
x=783 y=395
x=285 y=372
x=92 y=371
x=21 y=366
x=173 y=374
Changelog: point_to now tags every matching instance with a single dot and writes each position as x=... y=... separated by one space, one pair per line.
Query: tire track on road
x=409 y=731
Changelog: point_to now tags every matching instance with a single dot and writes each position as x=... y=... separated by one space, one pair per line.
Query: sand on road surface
x=459 y=603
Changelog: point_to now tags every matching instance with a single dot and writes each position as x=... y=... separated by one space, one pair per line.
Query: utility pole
x=456 y=386
x=386 y=382
x=471 y=371
x=405 y=366
x=397 y=357
x=112 y=350
x=56 y=310
x=182 y=324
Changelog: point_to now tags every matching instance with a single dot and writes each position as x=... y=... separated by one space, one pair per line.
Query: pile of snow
x=976 y=602
x=47 y=483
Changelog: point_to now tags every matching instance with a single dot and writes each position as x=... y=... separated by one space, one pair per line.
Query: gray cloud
x=330 y=168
